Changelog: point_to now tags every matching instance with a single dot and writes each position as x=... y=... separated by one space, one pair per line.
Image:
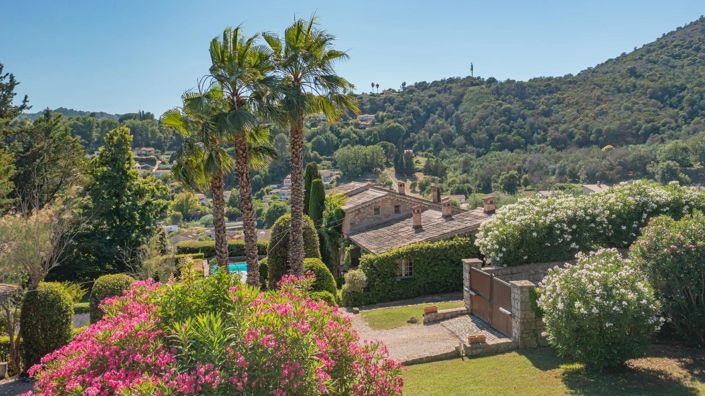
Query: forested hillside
x=641 y=114
x=656 y=91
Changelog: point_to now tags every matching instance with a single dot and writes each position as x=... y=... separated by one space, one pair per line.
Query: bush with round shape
x=107 y=286
x=356 y=280
x=324 y=280
x=672 y=254
x=228 y=339
x=600 y=311
x=46 y=321
x=324 y=296
x=278 y=248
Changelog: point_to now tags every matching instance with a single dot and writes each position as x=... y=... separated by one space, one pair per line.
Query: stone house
x=378 y=219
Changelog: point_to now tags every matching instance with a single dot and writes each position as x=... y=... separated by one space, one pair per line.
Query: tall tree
x=243 y=71
x=7 y=170
x=202 y=161
x=48 y=160
x=7 y=95
x=310 y=175
x=316 y=203
x=304 y=58
x=122 y=209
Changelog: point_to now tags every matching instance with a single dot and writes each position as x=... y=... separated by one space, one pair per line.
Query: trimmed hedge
x=207 y=248
x=81 y=308
x=325 y=296
x=278 y=252
x=107 y=286
x=46 y=322
x=437 y=268
x=324 y=278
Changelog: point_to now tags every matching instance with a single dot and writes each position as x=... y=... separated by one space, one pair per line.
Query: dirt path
x=14 y=387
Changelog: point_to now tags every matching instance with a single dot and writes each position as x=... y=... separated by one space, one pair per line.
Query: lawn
x=393 y=317
x=665 y=371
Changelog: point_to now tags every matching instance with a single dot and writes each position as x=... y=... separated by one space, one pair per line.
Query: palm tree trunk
x=296 y=235
x=221 y=240
x=249 y=223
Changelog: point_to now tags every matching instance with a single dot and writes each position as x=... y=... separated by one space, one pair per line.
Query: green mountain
x=651 y=94
x=73 y=113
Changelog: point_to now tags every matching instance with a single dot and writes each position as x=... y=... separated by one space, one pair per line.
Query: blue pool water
x=232 y=267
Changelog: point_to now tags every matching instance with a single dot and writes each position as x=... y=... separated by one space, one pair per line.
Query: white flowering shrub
x=600 y=311
x=555 y=228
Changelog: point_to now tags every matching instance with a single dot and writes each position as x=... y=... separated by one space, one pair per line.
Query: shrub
x=207 y=248
x=107 y=286
x=672 y=254
x=46 y=321
x=81 y=308
x=165 y=266
x=263 y=273
x=350 y=298
x=437 y=268
x=278 y=250
x=324 y=280
x=325 y=296
x=75 y=291
x=226 y=339
x=555 y=228
x=600 y=311
x=206 y=221
x=356 y=280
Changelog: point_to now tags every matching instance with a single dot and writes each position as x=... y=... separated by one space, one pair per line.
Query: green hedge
x=46 y=321
x=107 y=286
x=81 y=308
x=207 y=248
x=324 y=278
x=325 y=296
x=437 y=268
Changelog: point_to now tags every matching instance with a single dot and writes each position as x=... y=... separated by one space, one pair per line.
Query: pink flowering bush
x=215 y=336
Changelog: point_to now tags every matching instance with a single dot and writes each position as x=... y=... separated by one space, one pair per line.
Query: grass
x=665 y=371
x=393 y=317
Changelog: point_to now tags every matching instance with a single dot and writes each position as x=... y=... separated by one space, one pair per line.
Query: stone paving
x=419 y=343
x=14 y=387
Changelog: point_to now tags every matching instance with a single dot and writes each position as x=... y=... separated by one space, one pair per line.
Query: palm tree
x=244 y=72
x=304 y=61
x=203 y=161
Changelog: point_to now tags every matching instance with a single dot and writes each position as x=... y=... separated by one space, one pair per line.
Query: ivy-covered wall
x=437 y=268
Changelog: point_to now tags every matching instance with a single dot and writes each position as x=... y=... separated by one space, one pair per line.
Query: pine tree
x=316 y=202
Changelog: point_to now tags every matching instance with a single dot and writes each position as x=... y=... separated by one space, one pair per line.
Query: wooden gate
x=491 y=300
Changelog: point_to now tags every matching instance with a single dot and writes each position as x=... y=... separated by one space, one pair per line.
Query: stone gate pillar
x=524 y=328
x=467 y=265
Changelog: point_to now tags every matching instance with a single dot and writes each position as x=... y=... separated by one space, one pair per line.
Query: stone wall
x=364 y=216
x=443 y=314
x=534 y=272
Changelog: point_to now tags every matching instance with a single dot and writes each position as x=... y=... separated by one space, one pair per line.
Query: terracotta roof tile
x=379 y=239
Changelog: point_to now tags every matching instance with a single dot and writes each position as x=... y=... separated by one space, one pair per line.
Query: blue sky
x=129 y=55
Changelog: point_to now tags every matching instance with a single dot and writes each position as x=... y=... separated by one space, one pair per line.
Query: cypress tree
x=310 y=175
x=316 y=202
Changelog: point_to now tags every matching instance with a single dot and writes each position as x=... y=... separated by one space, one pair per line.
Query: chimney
x=435 y=194
x=489 y=204
x=416 y=211
x=447 y=208
x=401 y=187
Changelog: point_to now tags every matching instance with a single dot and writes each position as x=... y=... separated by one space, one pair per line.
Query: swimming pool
x=232 y=267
